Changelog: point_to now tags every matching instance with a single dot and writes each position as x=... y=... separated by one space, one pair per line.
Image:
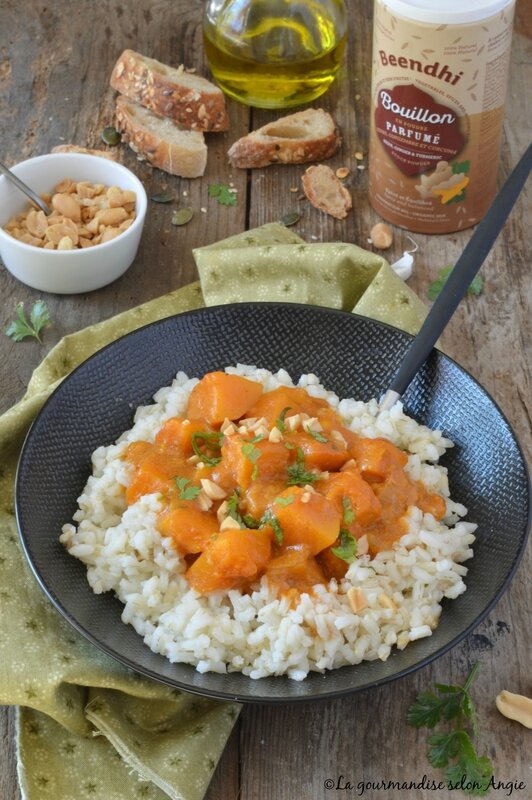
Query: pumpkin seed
x=182 y=216
x=111 y=136
x=162 y=198
x=290 y=219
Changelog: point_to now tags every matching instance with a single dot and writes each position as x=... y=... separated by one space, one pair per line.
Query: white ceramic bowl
x=68 y=271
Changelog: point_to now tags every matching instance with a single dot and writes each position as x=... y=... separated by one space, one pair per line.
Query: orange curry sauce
x=271 y=483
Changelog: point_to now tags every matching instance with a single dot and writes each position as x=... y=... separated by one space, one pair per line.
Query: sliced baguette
x=325 y=191
x=160 y=141
x=309 y=135
x=185 y=98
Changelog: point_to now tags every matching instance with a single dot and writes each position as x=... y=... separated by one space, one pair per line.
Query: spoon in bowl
x=26 y=189
x=459 y=280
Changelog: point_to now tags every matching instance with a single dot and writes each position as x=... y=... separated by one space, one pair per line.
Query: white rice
x=259 y=633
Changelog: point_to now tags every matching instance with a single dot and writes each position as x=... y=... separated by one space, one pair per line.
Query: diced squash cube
x=306 y=518
x=377 y=458
x=220 y=396
x=190 y=527
x=295 y=568
x=231 y=559
x=363 y=500
x=247 y=461
x=177 y=433
x=329 y=455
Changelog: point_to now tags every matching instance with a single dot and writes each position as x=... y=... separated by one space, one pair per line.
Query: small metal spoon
x=459 y=280
x=26 y=189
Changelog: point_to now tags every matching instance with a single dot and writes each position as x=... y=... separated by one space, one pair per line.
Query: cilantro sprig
x=298 y=475
x=252 y=454
x=269 y=518
x=223 y=193
x=207 y=446
x=279 y=422
x=186 y=489
x=347 y=547
x=317 y=435
x=453 y=750
x=245 y=520
x=21 y=327
x=476 y=286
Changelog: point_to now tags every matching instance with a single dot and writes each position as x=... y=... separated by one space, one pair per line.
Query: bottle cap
x=452 y=12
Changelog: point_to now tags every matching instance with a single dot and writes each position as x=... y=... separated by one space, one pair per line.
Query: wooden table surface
x=55 y=60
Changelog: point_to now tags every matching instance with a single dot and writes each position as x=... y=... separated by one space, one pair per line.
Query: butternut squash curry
x=271 y=483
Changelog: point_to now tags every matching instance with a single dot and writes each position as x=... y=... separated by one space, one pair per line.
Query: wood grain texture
x=55 y=59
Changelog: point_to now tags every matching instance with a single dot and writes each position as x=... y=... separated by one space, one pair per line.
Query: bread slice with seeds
x=309 y=135
x=160 y=141
x=325 y=191
x=190 y=100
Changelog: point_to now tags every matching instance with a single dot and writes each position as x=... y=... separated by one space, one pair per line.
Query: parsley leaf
x=223 y=193
x=252 y=454
x=348 y=546
x=349 y=513
x=186 y=492
x=475 y=287
x=285 y=501
x=442 y=748
x=347 y=549
x=279 y=422
x=246 y=521
x=453 y=750
x=317 y=435
x=297 y=474
x=270 y=519
x=471 y=773
x=20 y=328
x=211 y=442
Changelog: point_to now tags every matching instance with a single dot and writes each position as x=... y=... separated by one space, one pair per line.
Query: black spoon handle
x=460 y=278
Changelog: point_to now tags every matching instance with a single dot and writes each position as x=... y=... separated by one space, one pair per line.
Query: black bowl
x=355 y=357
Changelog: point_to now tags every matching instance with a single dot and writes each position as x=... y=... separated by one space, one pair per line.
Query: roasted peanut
x=381 y=235
x=83 y=215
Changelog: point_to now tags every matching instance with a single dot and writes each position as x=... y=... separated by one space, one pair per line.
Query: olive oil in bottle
x=274 y=53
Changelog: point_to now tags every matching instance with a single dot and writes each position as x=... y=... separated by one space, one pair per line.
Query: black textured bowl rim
x=268 y=699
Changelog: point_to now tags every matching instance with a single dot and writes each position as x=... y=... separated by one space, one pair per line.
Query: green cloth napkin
x=273 y=263
x=87 y=726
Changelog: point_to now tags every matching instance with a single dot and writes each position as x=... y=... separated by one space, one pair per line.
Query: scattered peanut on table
x=83 y=215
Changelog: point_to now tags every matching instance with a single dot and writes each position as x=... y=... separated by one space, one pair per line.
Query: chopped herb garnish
x=246 y=521
x=453 y=750
x=285 y=501
x=349 y=513
x=347 y=548
x=206 y=445
x=317 y=435
x=20 y=328
x=475 y=287
x=270 y=519
x=289 y=446
x=225 y=195
x=297 y=474
x=187 y=491
x=279 y=422
x=252 y=454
